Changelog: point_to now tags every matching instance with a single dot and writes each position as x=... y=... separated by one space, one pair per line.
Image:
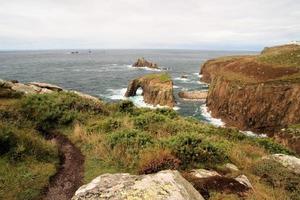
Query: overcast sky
x=187 y=24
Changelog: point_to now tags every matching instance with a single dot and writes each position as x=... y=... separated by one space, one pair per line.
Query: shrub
x=143 y=121
x=186 y=147
x=7 y=140
x=106 y=125
x=170 y=113
x=156 y=160
x=126 y=106
x=132 y=139
x=50 y=110
x=272 y=146
x=276 y=175
x=18 y=144
x=191 y=149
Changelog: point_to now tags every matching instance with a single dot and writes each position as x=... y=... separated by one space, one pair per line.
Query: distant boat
x=74 y=52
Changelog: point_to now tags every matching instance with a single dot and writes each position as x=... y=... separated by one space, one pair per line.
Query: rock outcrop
x=141 y=62
x=11 y=89
x=193 y=95
x=160 y=186
x=157 y=89
x=259 y=93
x=290 y=162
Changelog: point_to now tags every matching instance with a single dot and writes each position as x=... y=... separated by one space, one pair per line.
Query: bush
x=18 y=144
x=106 y=125
x=131 y=139
x=191 y=149
x=156 y=160
x=143 y=121
x=272 y=146
x=276 y=175
x=170 y=113
x=51 y=110
x=126 y=106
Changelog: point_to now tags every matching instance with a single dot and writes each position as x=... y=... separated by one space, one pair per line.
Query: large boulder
x=141 y=62
x=162 y=185
x=290 y=162
x=46 y=85
x=157 y=89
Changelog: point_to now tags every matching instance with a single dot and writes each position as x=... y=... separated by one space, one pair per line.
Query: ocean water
x=106 y=73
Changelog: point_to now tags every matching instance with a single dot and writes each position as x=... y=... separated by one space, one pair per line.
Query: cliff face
x=259 y=93
x=157 y=89
x=262 y=107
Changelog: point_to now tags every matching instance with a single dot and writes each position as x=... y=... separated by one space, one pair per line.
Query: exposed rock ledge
x=193 y=95
x=141 y=62
x=160 y=186
x=157 y=89
x=10 y=89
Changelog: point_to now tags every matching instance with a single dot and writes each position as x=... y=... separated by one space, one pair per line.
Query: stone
x=203 y=173
x=242 y=179
x=46 y=85
x=164 y=185
x=231 y=167
x=193 y=95
x=86 y=96
x=290 y=162
x=26 y=89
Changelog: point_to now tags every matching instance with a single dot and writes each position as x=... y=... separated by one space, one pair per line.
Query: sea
x=106 y=73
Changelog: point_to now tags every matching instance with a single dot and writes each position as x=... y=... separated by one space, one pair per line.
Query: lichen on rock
x=164 y=185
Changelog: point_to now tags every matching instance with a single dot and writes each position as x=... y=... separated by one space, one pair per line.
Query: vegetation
x=163 y=77
x=115 y=137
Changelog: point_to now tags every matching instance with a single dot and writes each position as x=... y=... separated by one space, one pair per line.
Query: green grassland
x=118 y=137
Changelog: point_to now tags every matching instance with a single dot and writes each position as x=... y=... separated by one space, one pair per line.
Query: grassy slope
x=121 y=138
x=286 y=56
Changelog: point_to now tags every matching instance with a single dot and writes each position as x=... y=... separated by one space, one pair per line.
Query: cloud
x=40 y=24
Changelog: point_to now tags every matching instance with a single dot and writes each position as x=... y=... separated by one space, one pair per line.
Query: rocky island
x=142 y=62
x=259 y=93
x=157 y=89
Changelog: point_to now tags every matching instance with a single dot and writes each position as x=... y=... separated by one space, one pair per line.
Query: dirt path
x=69 y=176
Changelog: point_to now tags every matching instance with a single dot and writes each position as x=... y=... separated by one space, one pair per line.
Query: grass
x=116 y=137
x=162 y=77
x=289 y=58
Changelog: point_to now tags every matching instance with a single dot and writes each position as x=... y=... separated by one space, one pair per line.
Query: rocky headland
x=259 y=93
x=157 y=89
x=142 y=62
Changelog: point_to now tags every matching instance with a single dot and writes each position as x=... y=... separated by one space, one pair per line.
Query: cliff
x=259 y=93
x=157 y=89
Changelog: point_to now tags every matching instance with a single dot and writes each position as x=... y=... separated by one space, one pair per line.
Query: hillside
x=118 y=137
x=258 y=93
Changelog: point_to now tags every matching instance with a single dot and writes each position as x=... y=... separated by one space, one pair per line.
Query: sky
x=148 y=24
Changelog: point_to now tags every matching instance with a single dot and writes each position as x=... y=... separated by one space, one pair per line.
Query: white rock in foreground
x=290 y=162
x=203 y=173
x=164 y=185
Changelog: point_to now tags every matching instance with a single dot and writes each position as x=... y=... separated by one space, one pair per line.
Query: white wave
x=185 y=80
x=197 y=74
x=207 y=115
x=116 y=94
x=144 y=68
x=175 y=86
x=138 y=100
x=252 y=134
